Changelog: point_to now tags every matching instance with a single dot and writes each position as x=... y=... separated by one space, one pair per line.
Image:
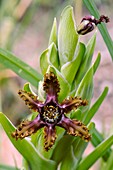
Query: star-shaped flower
x=51 y=114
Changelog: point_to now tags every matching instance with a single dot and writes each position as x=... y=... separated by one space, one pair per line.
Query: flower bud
x=88 y=24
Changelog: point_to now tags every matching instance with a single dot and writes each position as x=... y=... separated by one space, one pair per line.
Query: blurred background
x=25 y=26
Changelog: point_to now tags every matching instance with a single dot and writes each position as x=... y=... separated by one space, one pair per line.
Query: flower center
x=51 y=113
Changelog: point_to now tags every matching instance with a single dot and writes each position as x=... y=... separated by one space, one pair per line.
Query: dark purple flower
x=51 y=114
x=88 y=24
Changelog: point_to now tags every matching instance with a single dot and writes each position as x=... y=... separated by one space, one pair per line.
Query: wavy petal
x=51 y=86
x=72 y=104
x=30 y=100
x=49 y=136
x=75 y=128
x=27 y=128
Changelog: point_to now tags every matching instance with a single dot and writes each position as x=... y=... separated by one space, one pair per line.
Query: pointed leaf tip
x=53 y=34
x=67 y=35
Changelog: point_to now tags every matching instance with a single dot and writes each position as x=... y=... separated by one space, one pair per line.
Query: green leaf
x=53 y=56
x=27 y=87
x=69 y=162
x=75 y=151
x=64 y=87
x=89 y=115
x=96 y=154
x=44 y=61
x=5 y=167
x=70 y=69
x=85 y=88
x=26 y=148
x=76 y=114
x=62 y=148
x=19 y=67
x=96 y=63
x=67 y=36
x=53 y=35
x=102 y=27
x=109 y=163
x=86 y=63
x=97 y=138
x=89 y=52
x=41 y=92
x=49 y=57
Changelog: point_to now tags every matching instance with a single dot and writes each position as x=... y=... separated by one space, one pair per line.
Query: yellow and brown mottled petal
x=72 y=104
x=75 y=128
x=27 y=128
x=51 y=86
x=30 y=100
x=49 y=137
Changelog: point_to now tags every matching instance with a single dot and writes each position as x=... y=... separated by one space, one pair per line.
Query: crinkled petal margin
x=75 y=128
x=49 y=136
x=72 y=104
x=27 y=128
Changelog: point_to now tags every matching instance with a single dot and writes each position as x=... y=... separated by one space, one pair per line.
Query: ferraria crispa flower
x=51 y=114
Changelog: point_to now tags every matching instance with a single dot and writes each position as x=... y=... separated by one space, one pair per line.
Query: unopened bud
x=89 y=23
